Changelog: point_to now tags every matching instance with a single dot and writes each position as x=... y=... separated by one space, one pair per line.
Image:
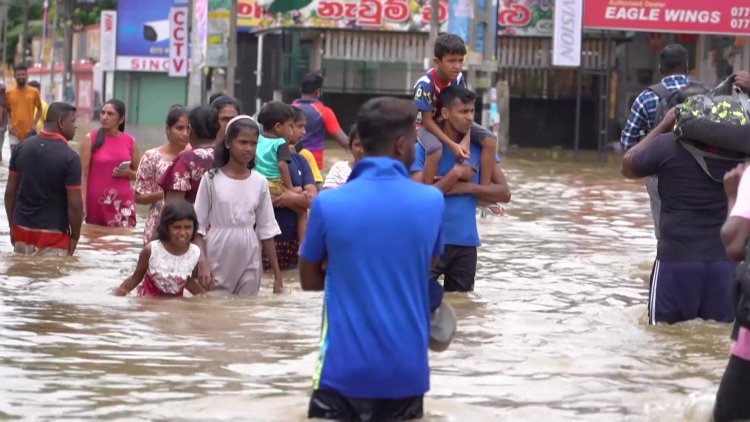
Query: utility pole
x=434 y=29
x=195 y=77
x=232 y=40
x=68 y=48
x=4 y=14
x=25 y=31
x=53 y=51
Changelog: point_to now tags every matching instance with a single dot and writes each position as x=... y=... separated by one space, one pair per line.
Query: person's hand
x=283 y=200
x=117 y=172
x=465 y=172
x=205 y=275
x=119 y=291
x=73 y=245
x=11 y=128
x=732 y=180
x=742 y=80
x=278 y=284
x=669 y=121
x=459 y=152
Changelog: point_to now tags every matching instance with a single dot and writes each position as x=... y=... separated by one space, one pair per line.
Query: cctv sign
x=178 y=41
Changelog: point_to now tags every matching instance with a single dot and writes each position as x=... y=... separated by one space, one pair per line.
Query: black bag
x=669 y=99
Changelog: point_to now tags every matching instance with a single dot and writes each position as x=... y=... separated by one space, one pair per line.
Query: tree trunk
x=25 y=32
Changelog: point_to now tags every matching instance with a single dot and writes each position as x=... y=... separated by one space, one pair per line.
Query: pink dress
x=150 y=170
x=168 y=274
x=110 y=201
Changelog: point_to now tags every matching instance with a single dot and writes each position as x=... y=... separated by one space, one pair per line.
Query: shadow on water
x=556 y=329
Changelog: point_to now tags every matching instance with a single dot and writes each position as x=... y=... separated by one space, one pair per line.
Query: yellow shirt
x=313 y=165
x=23 y=104
x=40 y=125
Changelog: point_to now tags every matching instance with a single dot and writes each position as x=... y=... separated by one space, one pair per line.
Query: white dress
x=168 y=274
x=234 y=215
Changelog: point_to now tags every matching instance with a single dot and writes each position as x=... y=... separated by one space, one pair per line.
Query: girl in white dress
x=235 y=216
x=166 y=266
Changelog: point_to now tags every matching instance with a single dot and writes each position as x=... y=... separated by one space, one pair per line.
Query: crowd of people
x=231 y=196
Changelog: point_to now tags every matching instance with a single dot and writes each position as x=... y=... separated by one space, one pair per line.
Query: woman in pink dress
x=109 y=160
x=155 y=162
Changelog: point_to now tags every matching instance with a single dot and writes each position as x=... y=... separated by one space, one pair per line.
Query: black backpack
x=670 y=98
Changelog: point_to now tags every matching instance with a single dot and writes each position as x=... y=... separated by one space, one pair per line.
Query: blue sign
x=143 y=27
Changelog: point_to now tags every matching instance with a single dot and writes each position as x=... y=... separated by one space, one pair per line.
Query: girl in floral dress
x=166 y=266
x=182 y=179
x=155 y=163
x=109 y=160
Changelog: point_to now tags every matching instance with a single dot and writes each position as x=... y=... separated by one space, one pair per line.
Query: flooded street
x=556 y=329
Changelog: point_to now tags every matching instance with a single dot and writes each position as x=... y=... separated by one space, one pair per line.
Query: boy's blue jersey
x=427 y=93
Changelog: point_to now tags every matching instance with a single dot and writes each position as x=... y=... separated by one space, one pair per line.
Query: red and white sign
x=730 y=17
x=108 y=40
x=178 y=41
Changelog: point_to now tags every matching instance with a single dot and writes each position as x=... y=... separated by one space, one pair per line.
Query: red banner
x=730 y=17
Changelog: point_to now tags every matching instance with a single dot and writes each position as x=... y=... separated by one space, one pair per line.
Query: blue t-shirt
x=379 y=232
x=460 y=221
x=427 y=92
x=301 y=176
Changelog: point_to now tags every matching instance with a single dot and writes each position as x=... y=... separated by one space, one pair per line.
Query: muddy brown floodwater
x=556 y=329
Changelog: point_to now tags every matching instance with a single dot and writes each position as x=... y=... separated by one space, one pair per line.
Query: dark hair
x=119 y=107
x=214 y=96
x=221 y=154
x=224 y=100
x=274 y=112
x=382 y=120
x=449 y=44
x=19 y=66
x=457 y=92
x=311 y=82
x=176 y=211
x=57 y=111
x=175 y=113
x=35 y=84
x=673 y=59
x=204 y=123
x=353 y=133
x=298 y=114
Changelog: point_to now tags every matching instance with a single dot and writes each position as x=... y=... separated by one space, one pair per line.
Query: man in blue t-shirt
x=460 y=184
x=379 y=233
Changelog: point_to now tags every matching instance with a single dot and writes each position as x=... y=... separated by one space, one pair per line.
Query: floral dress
x=110 y=201
x=168 y=274
x=186 y=172
x=150 y=170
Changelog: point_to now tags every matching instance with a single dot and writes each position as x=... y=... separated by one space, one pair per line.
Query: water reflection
x=556 y=329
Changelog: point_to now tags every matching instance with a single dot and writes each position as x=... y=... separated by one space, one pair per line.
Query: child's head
x=300 y=121
x=178 y=126
x=178 y=223
x=449 y=55
x=239 y=144
x=355 y=145
x=204 y=125
x=228 y=108
x=277 y=120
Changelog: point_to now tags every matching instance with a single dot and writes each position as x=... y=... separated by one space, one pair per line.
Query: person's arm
x=194 y=287
x=312 y=272
x=736 y=229
x=130 y=172
x=75 y=201
x=636 y=125
x=304 y=199
x=136 y=278
x=39 y=110
x=202 y=212
x=269 y=249
x=650 y=161
x=85 y=153
x=147 y=169
x=174 y=196
x=283 y=157
x=333 y=127
x=742 y=81
x=266 y=228
x=497 y=191
x=431 y=126
x=11 y=190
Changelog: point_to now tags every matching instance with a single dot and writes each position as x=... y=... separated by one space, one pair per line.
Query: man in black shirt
x=43 y=195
